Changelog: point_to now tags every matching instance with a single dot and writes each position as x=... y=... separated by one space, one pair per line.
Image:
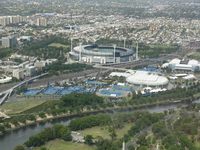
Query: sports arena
x=143 y=78
x=101 y=54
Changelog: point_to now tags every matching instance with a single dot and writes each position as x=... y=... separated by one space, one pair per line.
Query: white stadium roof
x=193 y=62
x=146 y=78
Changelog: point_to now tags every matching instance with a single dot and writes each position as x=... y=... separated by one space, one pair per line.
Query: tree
x=112 y=133
x=43 y=148
x=19 y=147
x=88 y=139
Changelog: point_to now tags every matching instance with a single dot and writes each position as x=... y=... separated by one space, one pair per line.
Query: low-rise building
x=18 y=73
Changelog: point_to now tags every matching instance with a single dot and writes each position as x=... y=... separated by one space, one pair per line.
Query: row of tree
x=81 y=100
x=60 y=67
x=57 y=131
x=90 y=121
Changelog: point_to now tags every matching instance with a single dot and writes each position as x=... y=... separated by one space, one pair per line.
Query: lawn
x=194 y=55
x=57 y=45
x=103 y=131
x=19 y=106
x=63 y=145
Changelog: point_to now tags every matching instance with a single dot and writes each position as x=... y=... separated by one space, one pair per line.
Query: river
x=13 y=138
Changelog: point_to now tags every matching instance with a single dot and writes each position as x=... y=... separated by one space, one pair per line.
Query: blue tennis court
x=52 y=90
x=121 y=88
x=151 y=69
x=74 y=89
x=111 y=93
x=96 y=83
x=32 y=92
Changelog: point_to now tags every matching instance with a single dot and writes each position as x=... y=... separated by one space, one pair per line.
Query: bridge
x=6 y=94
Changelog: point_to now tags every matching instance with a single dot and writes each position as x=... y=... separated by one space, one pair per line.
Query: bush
x=57 y=131
x=89 y=121
x=19 y=147
x=88 y=139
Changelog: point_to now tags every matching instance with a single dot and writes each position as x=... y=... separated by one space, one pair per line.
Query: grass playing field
x=57 y=45
x=19 y=106
x=63 y=145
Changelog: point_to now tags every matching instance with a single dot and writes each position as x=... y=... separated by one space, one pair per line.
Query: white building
x=18 y=73
x=177 y=64
x=40 y=64
x=5 y=79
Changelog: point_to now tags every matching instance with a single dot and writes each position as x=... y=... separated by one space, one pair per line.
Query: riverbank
x=69 y=116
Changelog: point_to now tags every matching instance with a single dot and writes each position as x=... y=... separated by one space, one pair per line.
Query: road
x=8 y=92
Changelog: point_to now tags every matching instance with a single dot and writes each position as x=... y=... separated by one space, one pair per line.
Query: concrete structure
x=30 y=71
x=9 y=42
x=182 y=65
x=101 y=54
x=25 y=38
x=4 y=21
x=40 y=64
x=7 y=93
x=149 y=90
x=5 y=79
x=41 y=22
x=18 y=73
x=7 y=20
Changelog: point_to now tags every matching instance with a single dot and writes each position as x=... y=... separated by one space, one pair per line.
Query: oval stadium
x=147 y=79
x=101 y=54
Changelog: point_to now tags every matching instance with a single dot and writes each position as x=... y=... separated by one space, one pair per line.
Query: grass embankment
x=58 y=45
x=194 y=55
x=63 y=145
x=103 y=131
x=19 y=106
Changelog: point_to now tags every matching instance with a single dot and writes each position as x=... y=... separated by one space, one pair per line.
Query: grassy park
x=103 y=131
x=95 y=132
x=57 y=45
x=194 y=55
x=63 y=145
x=19 y=106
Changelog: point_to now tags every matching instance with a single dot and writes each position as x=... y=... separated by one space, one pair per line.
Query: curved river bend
x=14 y=138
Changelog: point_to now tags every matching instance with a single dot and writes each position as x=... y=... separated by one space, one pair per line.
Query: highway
x=6 y=94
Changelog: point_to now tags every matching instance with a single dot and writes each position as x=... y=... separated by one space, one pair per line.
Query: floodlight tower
x=123 y=146
x=124 y=42
x=114 y=46
x=136 y=54
x=71 y=44
x=80 y=51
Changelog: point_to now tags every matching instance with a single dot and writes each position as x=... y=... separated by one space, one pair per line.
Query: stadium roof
x=147 y=78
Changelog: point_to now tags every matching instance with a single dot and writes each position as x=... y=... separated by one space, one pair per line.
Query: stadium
x=143 y=78
x=101 y=54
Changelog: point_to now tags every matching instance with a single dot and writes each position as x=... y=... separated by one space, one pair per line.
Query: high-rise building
x=4 y=21
x=7 y=20
x=9 y=42
x=41 y=21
